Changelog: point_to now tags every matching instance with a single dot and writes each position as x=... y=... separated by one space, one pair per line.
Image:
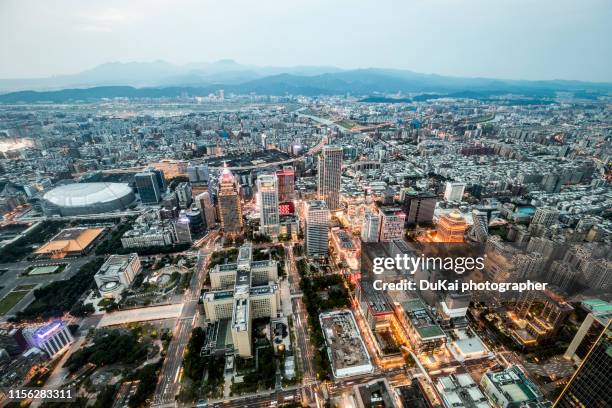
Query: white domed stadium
x=87 y=198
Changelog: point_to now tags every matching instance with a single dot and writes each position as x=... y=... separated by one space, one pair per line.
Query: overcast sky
x=518 y=39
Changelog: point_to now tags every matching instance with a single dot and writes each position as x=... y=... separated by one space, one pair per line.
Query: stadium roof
x=84 y=194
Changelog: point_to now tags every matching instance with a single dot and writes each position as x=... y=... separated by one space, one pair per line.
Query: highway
x=168 y=384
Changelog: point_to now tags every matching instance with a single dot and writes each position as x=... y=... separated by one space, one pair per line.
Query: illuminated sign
x=286 y=208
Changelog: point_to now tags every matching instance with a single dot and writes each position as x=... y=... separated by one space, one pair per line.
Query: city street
x=168 y=384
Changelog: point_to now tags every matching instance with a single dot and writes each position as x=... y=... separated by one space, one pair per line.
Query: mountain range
x=162 y=79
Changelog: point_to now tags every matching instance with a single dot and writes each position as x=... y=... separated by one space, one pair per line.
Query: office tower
x=207 y=209
x=600 y=314
x=418 y=206
x=317 y=228
x=159 y=176
x=230 y=209
x=196 y=220
x=198 y=173
x=370 y=228
x=183 y=193
x=545 y=216
x=454 y=191
x=286 y=184
x=242 y=291
x=329 y=177
x=451 y=228
x=480 y=228
x=148 y=187
x=182 y=232
x=267 y=193
x=591 y=384
x=392 y=222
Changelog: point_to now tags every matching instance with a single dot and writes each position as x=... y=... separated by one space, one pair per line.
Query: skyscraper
x=267 y=193
x=183 y=192
x=418 y=206
x=370 y=228
x=205 y=204
x=591 y=384
x=329 y=176
x=182 y=232
x=317 y=228
x=230 y=209
x=199 y=177
x=286 y=184
x=454 y=191
x=147 y=184
x=198 y=173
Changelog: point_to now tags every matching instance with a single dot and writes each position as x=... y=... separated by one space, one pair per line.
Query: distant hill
x=160 y=79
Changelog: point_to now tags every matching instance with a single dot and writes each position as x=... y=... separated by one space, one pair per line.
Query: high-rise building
x=198 y=173
x=230 y=208
x=182 y=231
x=316 y=228
x=591 y=384
x=418 y=206
x=600 y=314
x=454 y=191
x=451 y=228
x=330 y=176
x=286 y=184
x=545 y=216
x=267 y=193
x=207 y=208
x=370 y=228
x=147 y=184
x=392 y=222
x=161 y=179
x=183 y=192
x=242 y=291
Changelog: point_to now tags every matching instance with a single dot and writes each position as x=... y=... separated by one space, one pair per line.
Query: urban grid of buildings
x=225 y=226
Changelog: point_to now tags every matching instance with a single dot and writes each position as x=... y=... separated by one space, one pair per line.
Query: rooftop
x=70 y=240
x=346 y=348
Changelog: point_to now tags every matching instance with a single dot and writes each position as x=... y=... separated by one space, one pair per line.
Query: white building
x=117 y=274
x=267 y=194
x=370 y=228
x=53 y=338
x=391 y=224
x=182 y=231
x=316 y=228
x=183 y=192
x=454 y=191
x=242 y=291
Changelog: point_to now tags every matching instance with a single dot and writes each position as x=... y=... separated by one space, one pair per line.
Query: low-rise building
x=345 y=347
x=52 y=338
x=510 y=388
x=424 y=334
x=117 y=274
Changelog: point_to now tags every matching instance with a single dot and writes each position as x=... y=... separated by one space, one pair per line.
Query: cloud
x=90 y=28
x=105 y=20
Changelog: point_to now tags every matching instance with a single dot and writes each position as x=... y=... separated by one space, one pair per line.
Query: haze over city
x=306 y=204
x=505 y=39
